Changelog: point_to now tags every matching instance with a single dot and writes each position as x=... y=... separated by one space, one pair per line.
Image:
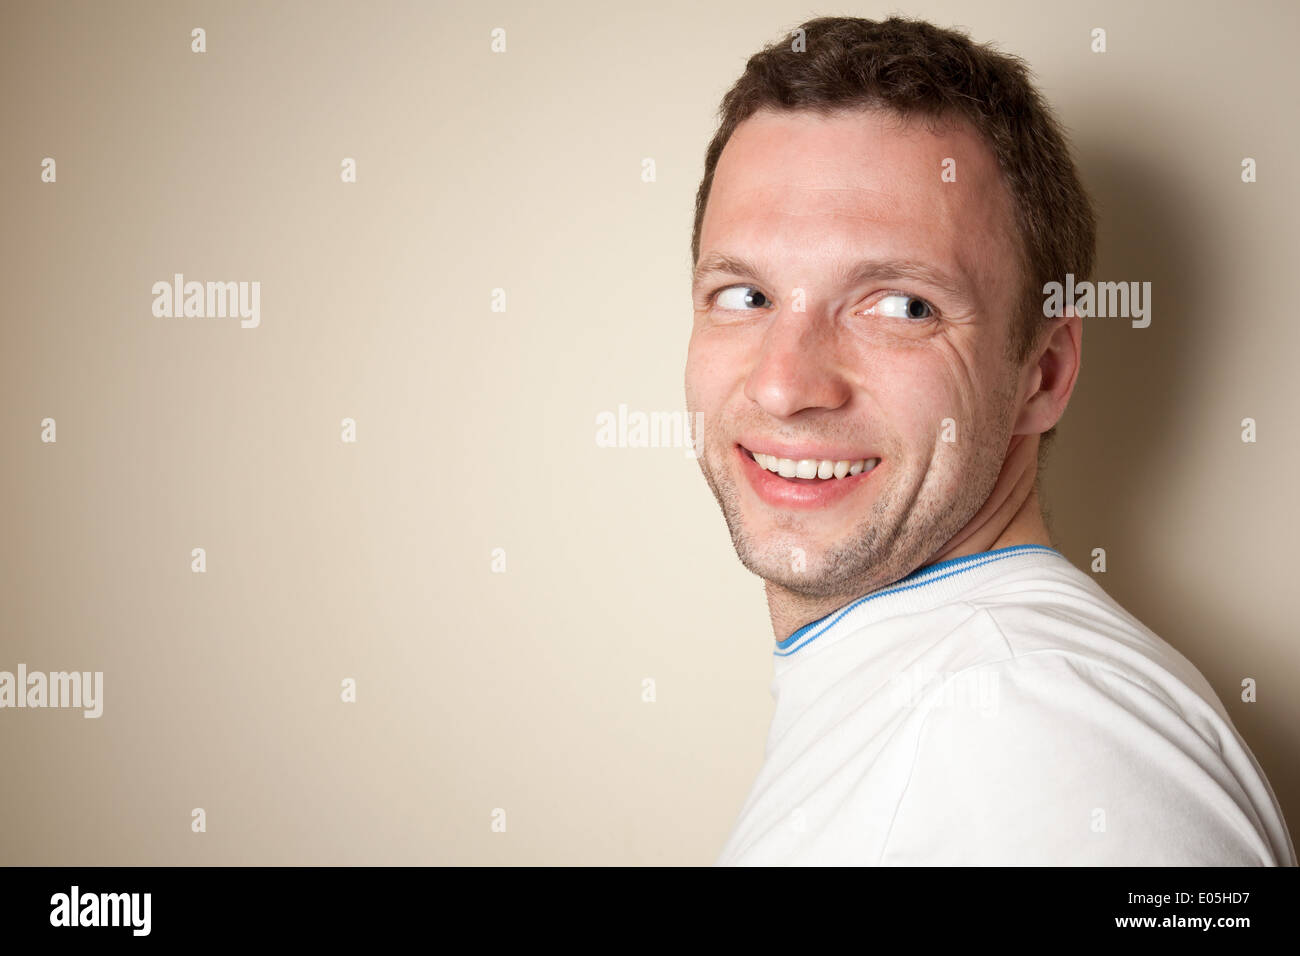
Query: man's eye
x=896 y=305
x=740 y=298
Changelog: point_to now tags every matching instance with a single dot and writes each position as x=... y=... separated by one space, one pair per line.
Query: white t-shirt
x=1000 y=708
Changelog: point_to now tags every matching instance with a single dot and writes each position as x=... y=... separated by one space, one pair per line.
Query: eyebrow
x=718 y=263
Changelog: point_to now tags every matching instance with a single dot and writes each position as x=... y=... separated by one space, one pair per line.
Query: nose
x=798 y=367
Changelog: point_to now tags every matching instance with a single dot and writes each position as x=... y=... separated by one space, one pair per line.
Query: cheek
x=711 y=372
x=696 y=384
x=947 y=395
x=920 y=400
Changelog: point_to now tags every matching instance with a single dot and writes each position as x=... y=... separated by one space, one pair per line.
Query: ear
x=1048 y=377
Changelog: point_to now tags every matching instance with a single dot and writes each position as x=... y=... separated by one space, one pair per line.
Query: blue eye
x=748 y=297
x=897 y=305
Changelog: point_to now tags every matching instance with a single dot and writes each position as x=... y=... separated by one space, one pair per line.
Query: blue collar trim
x=917 y=579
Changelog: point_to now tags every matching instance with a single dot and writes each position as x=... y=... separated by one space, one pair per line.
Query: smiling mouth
x=811 y=469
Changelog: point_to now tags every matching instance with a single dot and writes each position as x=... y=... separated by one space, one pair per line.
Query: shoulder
x=1058 y=609
x=1069 y=756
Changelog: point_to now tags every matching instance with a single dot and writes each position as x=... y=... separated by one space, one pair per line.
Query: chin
x=780 y=559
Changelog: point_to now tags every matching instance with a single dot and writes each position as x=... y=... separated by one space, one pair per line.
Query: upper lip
x=803 y=452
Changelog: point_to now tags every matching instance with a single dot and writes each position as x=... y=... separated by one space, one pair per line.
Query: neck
x=1012 y=515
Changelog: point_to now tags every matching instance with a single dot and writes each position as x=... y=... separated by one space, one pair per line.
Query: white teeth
x=813 y=467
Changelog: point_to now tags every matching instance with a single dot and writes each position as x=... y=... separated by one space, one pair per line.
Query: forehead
x=794 y=188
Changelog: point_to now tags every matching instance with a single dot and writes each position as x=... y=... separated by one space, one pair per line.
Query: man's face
x=852 y=304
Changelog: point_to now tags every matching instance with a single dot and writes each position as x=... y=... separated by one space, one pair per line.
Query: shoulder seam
x=1101 y=665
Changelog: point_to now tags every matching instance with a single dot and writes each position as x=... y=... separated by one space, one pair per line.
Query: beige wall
x=522 y=690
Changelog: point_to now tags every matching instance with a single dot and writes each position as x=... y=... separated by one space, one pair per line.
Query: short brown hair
x=915 y=68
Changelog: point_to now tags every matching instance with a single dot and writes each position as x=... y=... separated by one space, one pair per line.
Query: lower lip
x=806 y=494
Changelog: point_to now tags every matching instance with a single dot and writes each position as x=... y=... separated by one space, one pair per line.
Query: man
x=874 y=376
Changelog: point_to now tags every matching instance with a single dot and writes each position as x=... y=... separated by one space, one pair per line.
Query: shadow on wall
x=1117 y=440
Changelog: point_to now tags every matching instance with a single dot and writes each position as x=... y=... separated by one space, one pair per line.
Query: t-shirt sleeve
x=1063 y=761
